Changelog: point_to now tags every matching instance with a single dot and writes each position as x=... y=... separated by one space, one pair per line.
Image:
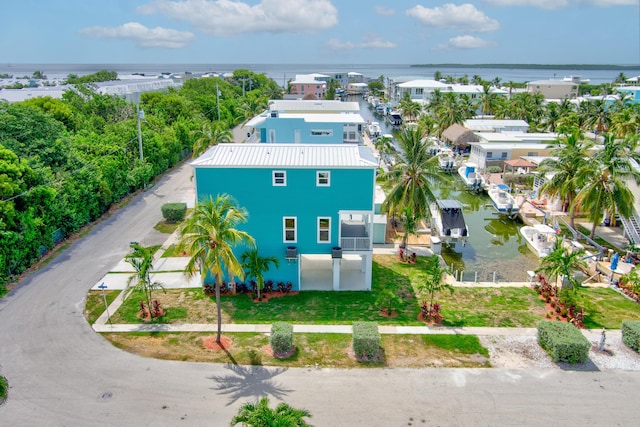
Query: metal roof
x=287 y=156
x=313 y=105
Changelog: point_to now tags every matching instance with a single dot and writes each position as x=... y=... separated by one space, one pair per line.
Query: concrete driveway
x=63 y=374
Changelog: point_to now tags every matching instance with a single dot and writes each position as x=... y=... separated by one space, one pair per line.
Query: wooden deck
x=394 y=235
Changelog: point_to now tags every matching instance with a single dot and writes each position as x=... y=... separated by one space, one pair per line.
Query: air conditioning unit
x=292 y=252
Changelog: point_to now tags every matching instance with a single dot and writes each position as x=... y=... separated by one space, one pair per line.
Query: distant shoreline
x=534 y=66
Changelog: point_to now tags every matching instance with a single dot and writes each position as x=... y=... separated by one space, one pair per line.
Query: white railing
x=355 y=243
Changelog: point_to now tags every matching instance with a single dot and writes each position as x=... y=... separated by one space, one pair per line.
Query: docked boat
x=540 y=238
x=373 y=130
x=471 y=177
x=502 y=199
x=448 y=225
x=395 y=119
x=446 y=160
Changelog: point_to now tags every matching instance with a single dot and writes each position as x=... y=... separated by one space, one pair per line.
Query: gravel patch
x=514 y=352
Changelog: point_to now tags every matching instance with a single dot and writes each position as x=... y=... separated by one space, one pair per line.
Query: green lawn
x=606 y=308
x=94 y=305
x=468 y=306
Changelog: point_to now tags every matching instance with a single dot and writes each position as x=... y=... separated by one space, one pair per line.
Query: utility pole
x=140 y=118
x=218 y=100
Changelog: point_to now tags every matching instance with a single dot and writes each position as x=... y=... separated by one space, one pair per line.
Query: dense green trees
x=64 y=162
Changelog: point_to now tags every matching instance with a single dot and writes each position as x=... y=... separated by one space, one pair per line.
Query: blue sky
x=320 y=31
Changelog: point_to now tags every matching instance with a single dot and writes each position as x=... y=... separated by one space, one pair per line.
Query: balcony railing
x=355 y=243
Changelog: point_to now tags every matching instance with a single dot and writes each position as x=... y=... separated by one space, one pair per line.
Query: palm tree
x=561 y=262
x=141 y=259
x=410 y=177
x=568 y=156
x=435 y=278
x=604 y=181
x=256 y=265
x=487 y=99
x=209 y=235
x=261 y=415
x=210 y=135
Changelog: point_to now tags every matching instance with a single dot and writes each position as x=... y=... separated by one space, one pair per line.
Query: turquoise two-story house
x=310 y=205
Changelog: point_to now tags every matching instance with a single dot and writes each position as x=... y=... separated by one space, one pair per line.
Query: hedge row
x=631 y=334
x=366 y=340
x=563 y=341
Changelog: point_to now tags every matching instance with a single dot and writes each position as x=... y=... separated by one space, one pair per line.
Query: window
x=323 y=178
x=322 y=132
x=489 y=154
x=279 y=178
x=290 y=232
x=503 y=155
x=419 y=91
x=532 y=153
x=324 y=230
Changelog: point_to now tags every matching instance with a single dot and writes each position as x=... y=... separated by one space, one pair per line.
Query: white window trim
x=295 y=229
x=274 y=181
x=318 y=183
x=319 y=229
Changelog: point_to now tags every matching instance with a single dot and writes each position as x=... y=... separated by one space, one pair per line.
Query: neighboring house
x=493 y=149
x=493 y=125
x=554 y=89
x=318 y=124
x=311 y=206
x=633 y=91
x=305 y=84
x=422 y=90
x=312 y=106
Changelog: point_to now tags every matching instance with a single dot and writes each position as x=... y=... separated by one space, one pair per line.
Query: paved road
x=63 y=374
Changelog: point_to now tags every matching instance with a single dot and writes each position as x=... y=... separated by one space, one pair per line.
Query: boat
x=446 y=160
x=502 y=199
x=395 y=119
x=373 y=130
x=540 y=238
x=471 y=177
x=448 y=225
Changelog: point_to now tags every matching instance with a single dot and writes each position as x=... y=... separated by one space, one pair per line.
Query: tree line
x=65 y=162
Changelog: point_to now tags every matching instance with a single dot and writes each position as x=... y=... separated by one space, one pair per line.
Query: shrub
x=4 y=386
x=388 y=301
x=174 y=212
x=494 y=169
x=631 y=334
x=281 y=339
x=366 y=340
x=563 y=341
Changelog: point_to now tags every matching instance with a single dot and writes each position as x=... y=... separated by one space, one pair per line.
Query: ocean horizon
x=596 y=73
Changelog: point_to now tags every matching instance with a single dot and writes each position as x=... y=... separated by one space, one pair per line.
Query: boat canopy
x=451 y=214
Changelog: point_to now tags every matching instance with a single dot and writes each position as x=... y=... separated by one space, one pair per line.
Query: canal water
x=494 y=247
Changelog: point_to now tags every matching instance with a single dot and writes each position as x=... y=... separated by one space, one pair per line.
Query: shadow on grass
x=246 y=382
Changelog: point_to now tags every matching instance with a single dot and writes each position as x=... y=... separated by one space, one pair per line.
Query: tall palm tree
x=255 y=266
x=568 y=156
x=141 y=259
x=261 y=415
x=410 y=177
x=209 y=236
x=596 y=115
x=487 y=99
x=450 y=111
x=562 y=261
x=604 y=181
x=211 y=134
x=626 y=121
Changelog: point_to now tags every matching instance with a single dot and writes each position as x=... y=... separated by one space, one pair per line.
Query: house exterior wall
x=318 y=89
x=552 y=90
x=296 y=130
x=267 y=205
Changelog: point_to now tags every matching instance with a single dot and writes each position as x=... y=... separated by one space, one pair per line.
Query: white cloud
x=561 y=4
x=370 y=42
x=384 y=11
x=229 y=17
x=467 y=42
x=464 y=17
x=143 y=36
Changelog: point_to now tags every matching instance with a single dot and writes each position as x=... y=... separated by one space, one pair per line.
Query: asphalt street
x=61 y=373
